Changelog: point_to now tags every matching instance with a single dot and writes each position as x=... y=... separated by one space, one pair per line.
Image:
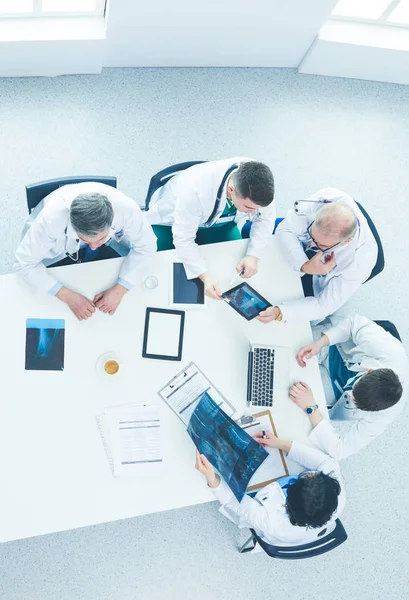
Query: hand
x=109 y=300
x=315 y=266
x=206 y=469
x=307 y=352
x=270 y=441
x=301 y=394
x=270 y=314
x=250 y=266
x=211 y=286
x=79 y=304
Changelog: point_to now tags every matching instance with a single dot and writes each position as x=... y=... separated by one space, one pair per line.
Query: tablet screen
x=163 y=336
x=186 y=291
x=246 y=301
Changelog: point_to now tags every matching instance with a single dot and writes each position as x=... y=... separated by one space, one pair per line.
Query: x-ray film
x=45 y=344
x=232 y=451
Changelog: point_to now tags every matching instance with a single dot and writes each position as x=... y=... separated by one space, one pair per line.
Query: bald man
x=327 y=240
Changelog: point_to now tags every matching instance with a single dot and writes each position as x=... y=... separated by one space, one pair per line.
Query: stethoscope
x=216 y=207
x=297 y=202
x=75 y=257
x=297 y=211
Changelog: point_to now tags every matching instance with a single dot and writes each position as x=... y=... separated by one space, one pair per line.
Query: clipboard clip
x=177 y=379
x=246 y=419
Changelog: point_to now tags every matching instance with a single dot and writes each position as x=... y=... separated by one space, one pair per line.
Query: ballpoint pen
x=237 y=275
x=263 y=433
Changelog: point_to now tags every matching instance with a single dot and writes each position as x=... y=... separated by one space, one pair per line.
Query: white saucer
x=100 y=366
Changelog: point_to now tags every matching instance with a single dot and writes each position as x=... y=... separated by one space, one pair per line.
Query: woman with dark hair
x=288 y=512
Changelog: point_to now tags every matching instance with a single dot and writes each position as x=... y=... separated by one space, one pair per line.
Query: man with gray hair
x=328 y=241
x=81 y=222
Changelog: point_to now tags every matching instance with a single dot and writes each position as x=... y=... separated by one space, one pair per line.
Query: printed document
x=135 y=433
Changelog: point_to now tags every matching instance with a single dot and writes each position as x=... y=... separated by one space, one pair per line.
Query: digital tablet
x=184 y=292
x=163 y=335
x=246 y=301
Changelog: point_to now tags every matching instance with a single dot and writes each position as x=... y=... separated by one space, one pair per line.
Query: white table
x=54 y=472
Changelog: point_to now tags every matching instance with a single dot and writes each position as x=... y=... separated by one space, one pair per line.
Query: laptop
x=268 y=371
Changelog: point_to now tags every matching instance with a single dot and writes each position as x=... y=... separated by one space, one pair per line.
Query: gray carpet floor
x=313 y=132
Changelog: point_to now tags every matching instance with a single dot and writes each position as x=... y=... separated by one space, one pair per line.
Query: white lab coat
x=363 y=345
x=355 y=260
x=187 y=201
x=266 y=513
x=48 y=236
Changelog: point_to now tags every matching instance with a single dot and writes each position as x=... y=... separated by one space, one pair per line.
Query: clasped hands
x=249 y=266
x=83 y=308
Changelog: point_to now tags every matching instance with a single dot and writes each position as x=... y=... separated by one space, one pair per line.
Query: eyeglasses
x=307 y=474
x=316 y=243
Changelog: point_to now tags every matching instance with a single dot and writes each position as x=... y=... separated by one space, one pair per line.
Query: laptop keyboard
x=263 y=377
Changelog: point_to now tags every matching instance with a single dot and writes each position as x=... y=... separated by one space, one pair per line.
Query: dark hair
x=377 y=390
x=255 y=181
x=312 y=499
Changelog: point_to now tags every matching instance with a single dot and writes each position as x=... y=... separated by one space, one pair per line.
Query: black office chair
x=163 y=177
x=390 y=328
x=36 y=192
x=320 y=546
x=380 y=261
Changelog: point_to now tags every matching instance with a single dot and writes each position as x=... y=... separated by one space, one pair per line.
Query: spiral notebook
x=106 y=439
x=132 y=439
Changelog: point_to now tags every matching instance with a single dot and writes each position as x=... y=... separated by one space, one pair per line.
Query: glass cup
x=150 y=283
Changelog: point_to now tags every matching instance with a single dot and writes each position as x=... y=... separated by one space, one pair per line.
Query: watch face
x=308 y=410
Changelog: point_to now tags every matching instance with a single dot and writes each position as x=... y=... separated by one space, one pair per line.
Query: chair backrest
x=36 y=192
x=390 y=327
x=163 y=177
x=320 y=546
x=380 y=261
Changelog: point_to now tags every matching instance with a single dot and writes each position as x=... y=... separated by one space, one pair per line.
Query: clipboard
x=183 y=392
x=279 y=460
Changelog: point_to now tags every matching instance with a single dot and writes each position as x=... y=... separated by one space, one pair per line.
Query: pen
x=263 y=433
x=237 y=275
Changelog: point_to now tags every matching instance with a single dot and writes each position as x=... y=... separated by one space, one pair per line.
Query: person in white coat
x=194 y=202
x=328 y=241
x=291 y=515
x=69 y=226
x=365 y=373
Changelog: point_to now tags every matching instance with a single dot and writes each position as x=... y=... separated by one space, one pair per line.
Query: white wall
x=360 y=51
x=49 y=47
x=266 y=33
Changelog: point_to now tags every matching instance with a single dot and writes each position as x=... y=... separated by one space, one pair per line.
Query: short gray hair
x=91 y=214
x=337 y=218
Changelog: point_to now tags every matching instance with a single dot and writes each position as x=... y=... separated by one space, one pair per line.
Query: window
x=51 y=8
x=379 y=12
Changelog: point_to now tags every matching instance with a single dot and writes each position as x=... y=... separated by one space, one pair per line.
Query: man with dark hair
x=365 y=373
x=211 y=202
x=293 y=510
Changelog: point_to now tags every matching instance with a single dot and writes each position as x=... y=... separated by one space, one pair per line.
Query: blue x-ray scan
x=45 y=344
x=232 y=451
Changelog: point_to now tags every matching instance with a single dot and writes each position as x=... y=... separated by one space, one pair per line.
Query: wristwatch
x=310 y=409
x=280 y=315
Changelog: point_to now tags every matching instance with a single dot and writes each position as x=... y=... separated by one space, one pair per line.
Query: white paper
x=163 y=334
x=136 y=437
x=184 y=392
x=272 y=467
